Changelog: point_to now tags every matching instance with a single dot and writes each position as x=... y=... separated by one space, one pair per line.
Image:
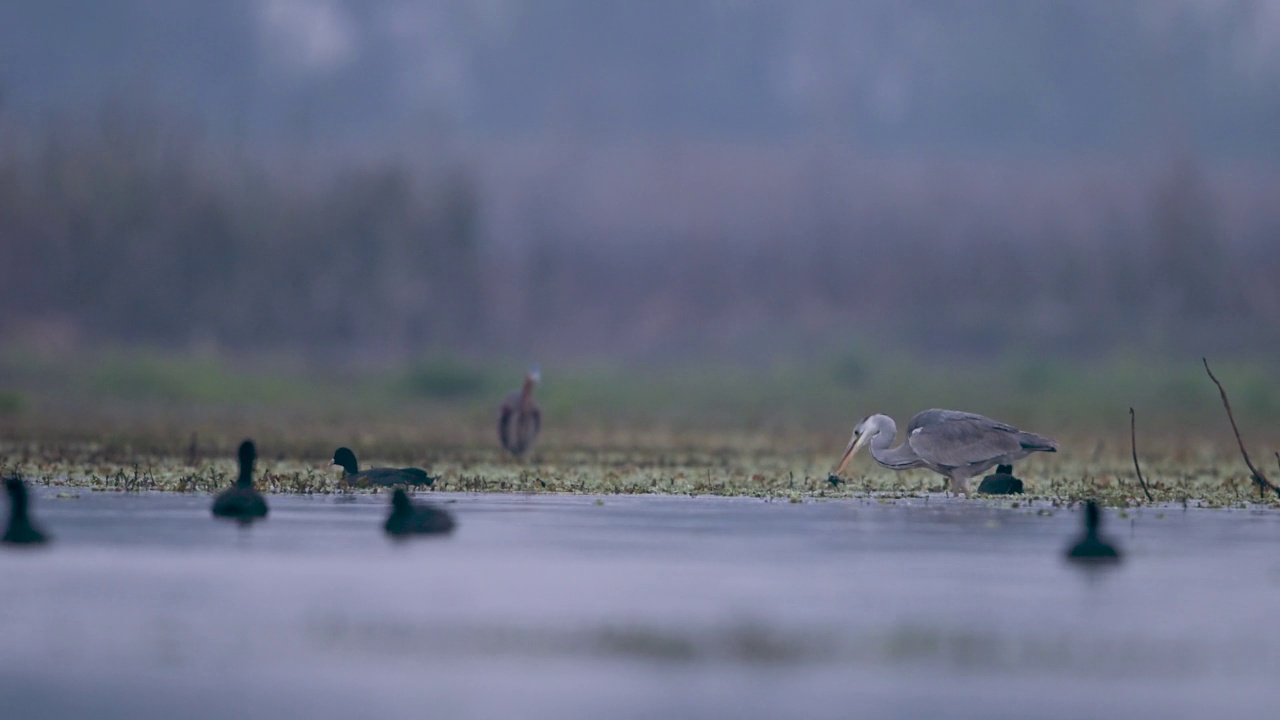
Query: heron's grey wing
x=936 y=416
x=1027 y=440
x=962 y=439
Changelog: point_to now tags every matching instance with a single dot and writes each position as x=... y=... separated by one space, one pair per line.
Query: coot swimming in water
x=409 y=519
x=21 y=530
x=353 y=475
x=1092 y=548
x=241 y=501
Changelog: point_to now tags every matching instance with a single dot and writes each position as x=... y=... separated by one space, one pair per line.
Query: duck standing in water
x=409 y=519
x=21 y=530
x=520 y=419
x=240 y=501
x=1091 y=548
x=386 y=477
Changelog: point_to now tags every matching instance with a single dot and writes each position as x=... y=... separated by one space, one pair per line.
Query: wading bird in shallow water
x=21 y=530
x=409 y=519
x=1092 y=548
x=957 y=445
x=240 y=501
x=520 y=419
x=387 y=477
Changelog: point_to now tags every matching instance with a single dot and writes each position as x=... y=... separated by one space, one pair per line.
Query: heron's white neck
x=882 y=431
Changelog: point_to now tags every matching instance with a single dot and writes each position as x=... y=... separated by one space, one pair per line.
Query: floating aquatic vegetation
x=1175 y=473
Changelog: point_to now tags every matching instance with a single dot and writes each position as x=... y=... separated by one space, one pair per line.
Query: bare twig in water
x=1133 y=443
x=1258 y=477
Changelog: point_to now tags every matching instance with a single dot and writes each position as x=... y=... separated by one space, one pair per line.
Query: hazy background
x=661 y=182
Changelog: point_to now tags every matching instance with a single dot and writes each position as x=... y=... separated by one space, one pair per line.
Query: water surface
x=643 y=607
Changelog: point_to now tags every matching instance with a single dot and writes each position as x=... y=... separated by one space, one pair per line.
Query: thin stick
x=1258 y=477
x=1133 y=443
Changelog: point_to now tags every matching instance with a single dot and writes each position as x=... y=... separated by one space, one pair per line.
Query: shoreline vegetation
x=140 y=421
x=1211 y=478
x=129 y=224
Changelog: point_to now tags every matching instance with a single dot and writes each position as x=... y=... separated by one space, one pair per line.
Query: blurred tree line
x=129 y=228
x=756 y=251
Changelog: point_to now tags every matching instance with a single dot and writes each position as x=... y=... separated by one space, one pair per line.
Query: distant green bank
x=1090 y=396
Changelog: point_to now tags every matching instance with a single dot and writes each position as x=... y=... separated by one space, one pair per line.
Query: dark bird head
x=248 y=454
x=1091 y=517
x=400 y=504
x=20 y=530
x=346 y=459
x=17 y=491
x=1004 y=469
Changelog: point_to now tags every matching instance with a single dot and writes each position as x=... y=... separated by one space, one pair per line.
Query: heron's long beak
x=854 y=445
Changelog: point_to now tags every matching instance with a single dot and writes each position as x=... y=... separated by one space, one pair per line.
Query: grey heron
x=386 y=477
x=409 y=519
x=21 y=531
x=957 y=445
x=240 y=501
x=519 y=419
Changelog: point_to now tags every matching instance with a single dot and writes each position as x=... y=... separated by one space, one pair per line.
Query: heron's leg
x=959 y=484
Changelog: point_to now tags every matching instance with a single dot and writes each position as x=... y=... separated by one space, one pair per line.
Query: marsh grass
x=1204 y=475
x=147 y=421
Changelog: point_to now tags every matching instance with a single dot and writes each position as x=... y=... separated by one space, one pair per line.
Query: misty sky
x=642 y=177
x=894 y=74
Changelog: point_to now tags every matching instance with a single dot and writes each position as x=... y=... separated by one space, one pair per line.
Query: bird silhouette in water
x=21 y=530
x=240 y=501
x=519 y=419
x=1092 y=548
x=386 y=477
x=409 y=519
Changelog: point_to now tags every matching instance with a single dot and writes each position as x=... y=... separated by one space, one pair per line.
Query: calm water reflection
x=644 y=607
